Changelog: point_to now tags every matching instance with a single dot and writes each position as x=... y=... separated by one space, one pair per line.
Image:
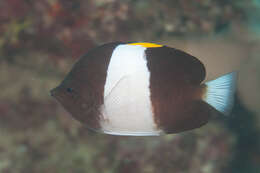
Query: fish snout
x=53 y=91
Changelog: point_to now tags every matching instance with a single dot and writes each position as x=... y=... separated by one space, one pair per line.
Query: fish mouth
x=53 y=92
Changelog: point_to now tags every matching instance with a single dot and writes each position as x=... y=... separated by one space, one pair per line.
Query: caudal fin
x=220 y=92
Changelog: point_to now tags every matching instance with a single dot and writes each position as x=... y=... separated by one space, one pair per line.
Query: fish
x=143 y=89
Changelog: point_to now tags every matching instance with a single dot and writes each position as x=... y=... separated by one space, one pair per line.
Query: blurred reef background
x=40 y=41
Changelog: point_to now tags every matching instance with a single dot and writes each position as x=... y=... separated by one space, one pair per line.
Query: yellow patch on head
x=146 y=44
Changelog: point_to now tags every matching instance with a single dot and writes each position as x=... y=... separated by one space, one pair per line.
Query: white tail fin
x=220 y=92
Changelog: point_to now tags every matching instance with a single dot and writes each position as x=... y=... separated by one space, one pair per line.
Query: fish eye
x=70 y=90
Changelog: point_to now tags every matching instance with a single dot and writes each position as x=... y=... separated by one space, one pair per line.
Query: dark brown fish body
x=81 y=92
x=184 y=100
x=137 y=89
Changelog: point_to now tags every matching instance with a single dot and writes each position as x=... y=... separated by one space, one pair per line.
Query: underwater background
x=41 y=40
